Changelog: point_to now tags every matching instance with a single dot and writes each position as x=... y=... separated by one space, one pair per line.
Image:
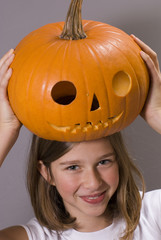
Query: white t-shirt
x=149 y=227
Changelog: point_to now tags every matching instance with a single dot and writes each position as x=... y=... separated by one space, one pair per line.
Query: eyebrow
x=74 y=162
x=108 y=155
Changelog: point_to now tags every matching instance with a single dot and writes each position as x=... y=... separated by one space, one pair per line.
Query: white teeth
x=92 y=198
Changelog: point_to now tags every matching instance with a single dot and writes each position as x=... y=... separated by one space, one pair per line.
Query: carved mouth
x=89 y=125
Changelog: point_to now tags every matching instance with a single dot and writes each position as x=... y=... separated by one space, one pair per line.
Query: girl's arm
x=152 y=108
x=9 y=124
x=9 y=131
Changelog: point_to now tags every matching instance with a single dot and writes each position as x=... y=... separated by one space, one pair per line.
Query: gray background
x=17 y=19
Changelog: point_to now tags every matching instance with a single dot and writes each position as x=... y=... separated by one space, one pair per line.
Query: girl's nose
x=92 y=180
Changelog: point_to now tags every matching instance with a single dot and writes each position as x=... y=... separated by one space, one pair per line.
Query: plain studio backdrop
x=20 y=17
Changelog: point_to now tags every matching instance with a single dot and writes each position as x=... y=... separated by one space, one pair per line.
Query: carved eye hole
x=121 y=84
x=63 y=92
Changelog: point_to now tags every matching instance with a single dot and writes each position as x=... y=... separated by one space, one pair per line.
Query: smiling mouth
x=94 y=199
x=88 y=126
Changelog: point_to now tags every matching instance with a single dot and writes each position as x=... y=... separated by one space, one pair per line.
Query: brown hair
x=48 y=204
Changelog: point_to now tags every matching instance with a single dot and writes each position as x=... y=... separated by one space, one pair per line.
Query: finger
x=5 y=66
x=5 y=57
x=151 y=66
x=4 y=84
x=147 y=50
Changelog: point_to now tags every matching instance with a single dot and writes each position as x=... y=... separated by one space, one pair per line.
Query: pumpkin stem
x=73 y=29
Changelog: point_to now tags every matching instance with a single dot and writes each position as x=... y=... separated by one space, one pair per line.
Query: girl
x=85 y=190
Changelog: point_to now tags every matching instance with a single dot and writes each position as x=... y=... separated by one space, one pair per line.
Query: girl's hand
x=8 y=120
x=9 y=124
x=152 y=108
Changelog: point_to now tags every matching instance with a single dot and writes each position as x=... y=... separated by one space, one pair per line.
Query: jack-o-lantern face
x=77 y=90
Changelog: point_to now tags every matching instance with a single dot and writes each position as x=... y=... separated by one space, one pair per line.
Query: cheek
x=112 y=177
x=65 y=185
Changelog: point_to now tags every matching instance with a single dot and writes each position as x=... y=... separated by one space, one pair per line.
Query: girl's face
x=86 y=178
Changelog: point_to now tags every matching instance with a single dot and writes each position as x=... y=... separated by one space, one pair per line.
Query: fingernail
x=11 y=50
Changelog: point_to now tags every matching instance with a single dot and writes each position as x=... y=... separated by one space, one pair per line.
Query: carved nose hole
x=95 y=103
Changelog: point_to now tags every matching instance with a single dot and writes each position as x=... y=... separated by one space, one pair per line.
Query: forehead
x=88 y=150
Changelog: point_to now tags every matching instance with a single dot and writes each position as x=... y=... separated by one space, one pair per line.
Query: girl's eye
x=105 y=162
x=73 y=167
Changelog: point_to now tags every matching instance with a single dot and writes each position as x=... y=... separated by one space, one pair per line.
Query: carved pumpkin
x=74 y=90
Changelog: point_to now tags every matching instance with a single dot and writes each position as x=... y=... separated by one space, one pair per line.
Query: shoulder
x=13 y=233
x=33 y=230
x=152 y=197
x=151 y=205
x=36 y=231
x=149 y=226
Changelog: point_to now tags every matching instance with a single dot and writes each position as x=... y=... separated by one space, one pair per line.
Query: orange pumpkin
x=75 y=90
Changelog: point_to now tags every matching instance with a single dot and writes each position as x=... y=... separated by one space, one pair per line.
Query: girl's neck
x=93 y=224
